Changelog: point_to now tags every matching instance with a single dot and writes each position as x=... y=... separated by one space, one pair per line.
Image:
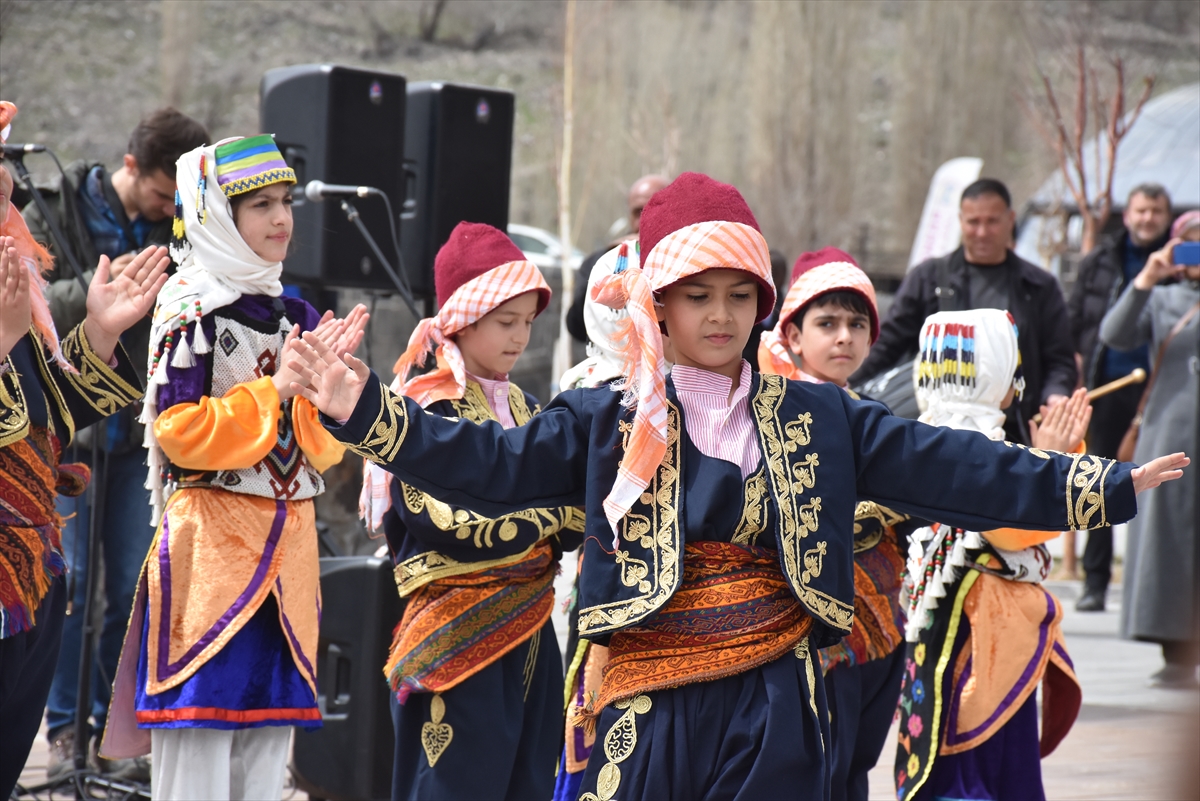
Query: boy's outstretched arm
x=964 y=479
x=484 y=467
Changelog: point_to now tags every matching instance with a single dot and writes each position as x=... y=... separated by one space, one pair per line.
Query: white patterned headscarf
x=969 y=362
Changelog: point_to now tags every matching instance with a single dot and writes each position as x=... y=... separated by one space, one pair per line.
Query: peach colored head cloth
x=826 y=270
x=693 y=225
x=448 y=381
x=34 y=257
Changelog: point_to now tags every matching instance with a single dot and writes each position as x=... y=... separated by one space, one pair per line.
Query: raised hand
x=353 y=331
x=15 y=313
x=1160 y=266
x=1158 y=471
x=1063 y=424
x=285 y=377
x=115 y=305
x=332 y=384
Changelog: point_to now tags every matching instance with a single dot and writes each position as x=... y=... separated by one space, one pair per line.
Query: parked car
x=542 y=247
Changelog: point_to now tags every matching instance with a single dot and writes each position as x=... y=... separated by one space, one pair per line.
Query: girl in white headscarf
x=219 y=662
x=981 y=630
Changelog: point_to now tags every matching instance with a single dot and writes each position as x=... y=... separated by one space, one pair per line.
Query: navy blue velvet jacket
x=823 y=452
x=430 y=539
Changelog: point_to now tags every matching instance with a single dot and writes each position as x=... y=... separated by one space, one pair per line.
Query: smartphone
x=1186 y=253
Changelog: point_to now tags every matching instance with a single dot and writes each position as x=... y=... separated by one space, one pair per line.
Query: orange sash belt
x=455 y=627
x=733 y=613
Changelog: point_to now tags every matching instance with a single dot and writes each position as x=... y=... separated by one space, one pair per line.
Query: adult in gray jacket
x=1160 y=601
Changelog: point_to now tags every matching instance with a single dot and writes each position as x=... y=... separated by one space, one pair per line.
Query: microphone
x=316 y=191
x=20 y=150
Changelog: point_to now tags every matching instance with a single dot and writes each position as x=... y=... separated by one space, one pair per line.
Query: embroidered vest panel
x=813 y=500
x=479 y=542
x=245 y=351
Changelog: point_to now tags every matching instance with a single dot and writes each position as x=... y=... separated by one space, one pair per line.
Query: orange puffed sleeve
x=319 y=446
x=229 y=433
x=1012 y=539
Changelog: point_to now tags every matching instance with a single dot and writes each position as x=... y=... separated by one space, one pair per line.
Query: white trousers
x=218 y=765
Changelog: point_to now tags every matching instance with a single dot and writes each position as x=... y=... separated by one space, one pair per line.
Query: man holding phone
x=1103 y=276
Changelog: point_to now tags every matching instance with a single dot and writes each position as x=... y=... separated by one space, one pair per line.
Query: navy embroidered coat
x=430 y=539
x=823 y=452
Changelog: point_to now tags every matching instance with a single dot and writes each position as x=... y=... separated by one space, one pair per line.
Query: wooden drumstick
x=1136 y=377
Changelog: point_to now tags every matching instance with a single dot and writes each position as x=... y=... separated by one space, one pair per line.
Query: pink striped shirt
x=496 y=392
x=720 y=428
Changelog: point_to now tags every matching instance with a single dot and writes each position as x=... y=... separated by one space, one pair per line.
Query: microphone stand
x=353 y=216
x=18 y=162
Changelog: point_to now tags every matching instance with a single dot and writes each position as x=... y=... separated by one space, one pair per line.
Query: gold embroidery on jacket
x=419 y=570
x=386 y=434
x=804 y=652
x=754 y=518
x=792 y=475
x=1038 y=452
x=655 y=526
x=619 y=743
x=14 y=415
x=870 y=520
x=435 y=735
x=96 y=382
x=1085 y=491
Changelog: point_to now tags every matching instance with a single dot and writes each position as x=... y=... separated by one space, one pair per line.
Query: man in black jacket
x=1103 y=276
x=985 y=274
x=114 y=214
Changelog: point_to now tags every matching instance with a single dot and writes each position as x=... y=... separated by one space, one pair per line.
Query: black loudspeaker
x=458 y=142
x=351 y=755
x=340 y=125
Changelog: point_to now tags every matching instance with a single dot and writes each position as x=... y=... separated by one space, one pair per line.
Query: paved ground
x=1130 y=742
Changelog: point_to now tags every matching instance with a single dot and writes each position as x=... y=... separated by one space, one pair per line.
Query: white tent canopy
x=1163 y=147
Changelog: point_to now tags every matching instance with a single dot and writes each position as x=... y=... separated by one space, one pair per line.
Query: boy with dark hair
x=828 y=322
x=115 y=215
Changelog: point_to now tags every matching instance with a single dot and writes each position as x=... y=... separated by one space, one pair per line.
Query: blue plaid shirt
x=101 y=219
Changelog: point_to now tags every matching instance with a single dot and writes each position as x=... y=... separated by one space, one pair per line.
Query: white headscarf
x=216 y=267
x=968 y=363
x=605 y=361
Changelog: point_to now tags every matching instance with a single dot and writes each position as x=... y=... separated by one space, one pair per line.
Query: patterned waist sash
x=733 y=612
x=878 y=618
x=30 y=538
x=455 y=627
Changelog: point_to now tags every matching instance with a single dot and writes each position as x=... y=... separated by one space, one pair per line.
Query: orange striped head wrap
x=693 y=225
x=814 y=274
x=477 y=270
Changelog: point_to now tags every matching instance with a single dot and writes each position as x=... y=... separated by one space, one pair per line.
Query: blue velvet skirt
x=253 y=681
x=756 y=735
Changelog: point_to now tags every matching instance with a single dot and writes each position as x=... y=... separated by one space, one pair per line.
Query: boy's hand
x=15 y=311
x=1158 y=471
x=1063 y=424
x=332 y=384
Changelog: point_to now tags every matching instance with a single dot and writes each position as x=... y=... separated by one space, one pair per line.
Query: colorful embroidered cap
x=244 y=165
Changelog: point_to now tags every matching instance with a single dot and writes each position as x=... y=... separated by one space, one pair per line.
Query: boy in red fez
x=828 y=323
x=720 y=508
x=475 y=663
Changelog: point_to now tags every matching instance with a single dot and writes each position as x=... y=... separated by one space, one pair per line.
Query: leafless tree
x=1097 y=110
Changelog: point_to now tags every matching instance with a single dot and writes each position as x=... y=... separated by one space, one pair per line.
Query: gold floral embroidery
x=386 y=434
x=813 y=561
x=14 y=416
x=619 y=743
x=96 y=382
x=468 y=525
x=870 y=520
x=661 y=504
x=419 y=570
x=435 y=735
x=792 y=474
x=1085 y=492
x=535 y=642
x=1038 y=452
x=754 y=518
x=803 y=651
